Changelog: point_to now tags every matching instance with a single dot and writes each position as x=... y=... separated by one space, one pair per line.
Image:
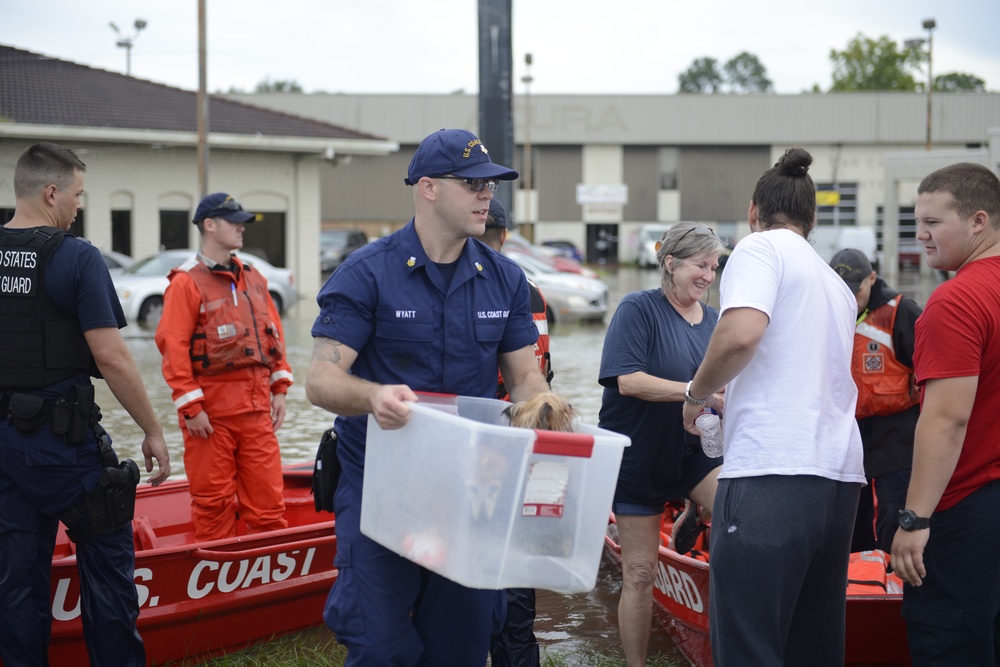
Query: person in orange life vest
x=516 y=645
x=224 y=358
x=887 y=408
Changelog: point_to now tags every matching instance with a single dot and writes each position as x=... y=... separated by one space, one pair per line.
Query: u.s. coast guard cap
x=457 y=153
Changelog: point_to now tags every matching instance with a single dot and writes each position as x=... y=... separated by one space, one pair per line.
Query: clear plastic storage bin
x=486 y=505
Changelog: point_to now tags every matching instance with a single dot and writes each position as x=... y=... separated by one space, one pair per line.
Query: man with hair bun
x=789 y=486
x=947 y=548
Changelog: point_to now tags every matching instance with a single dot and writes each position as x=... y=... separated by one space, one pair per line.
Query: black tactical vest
x=39 y=345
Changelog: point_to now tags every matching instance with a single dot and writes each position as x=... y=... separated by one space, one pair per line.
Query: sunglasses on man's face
x=476 y=184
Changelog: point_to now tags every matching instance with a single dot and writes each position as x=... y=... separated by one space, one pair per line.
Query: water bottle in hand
x=711 y=434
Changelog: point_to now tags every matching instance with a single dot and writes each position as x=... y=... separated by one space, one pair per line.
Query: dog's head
x=545 y=411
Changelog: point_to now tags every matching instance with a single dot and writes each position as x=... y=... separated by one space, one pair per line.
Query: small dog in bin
x=544 y=534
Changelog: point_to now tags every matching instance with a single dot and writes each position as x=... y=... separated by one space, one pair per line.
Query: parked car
x=517 y=243
x=564 y=248
x=336 y=244
x=141 y=286
x=116 y=261
x=649 y=236
x=570 y=298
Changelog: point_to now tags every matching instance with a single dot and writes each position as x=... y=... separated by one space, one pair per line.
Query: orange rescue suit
x=885 y=385
x=223 y=352
x=222 y=323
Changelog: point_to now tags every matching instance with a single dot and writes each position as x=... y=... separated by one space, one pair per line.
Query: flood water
x=571 y=624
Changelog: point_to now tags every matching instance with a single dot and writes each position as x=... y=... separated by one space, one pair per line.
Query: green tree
x=278 y=86
x=957 y=82
x=745 y=73
x=701 y=77
x=869 y=64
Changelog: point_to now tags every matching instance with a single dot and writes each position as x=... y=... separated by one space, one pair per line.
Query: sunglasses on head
x=229 y=205
x=700 y=230
x=476 y=184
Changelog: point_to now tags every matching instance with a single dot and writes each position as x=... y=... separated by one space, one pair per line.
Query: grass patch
x=318 y=648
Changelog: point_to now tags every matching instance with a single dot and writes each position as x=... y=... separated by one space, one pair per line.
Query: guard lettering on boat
x=679 y=586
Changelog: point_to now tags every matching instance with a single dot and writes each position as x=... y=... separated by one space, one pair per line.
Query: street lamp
x=929 y=25
x=526 y=80
x=126 y=42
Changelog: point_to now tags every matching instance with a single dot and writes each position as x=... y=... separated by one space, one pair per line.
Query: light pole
x=526 y=185
x=526 y=79
x=929 y=25
x=126 y=42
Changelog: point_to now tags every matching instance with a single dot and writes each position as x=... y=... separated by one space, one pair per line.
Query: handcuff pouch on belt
x=112 y=504
x=326 y=472
x=72 y=415
x=27 y=413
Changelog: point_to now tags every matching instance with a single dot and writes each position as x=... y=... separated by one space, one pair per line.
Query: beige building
x=139 y=140
x=601 y=165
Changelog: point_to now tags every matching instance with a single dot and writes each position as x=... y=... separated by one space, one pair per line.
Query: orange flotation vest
x=885 y=385
x=542 y=356
x=238 y=331
x=867 y=574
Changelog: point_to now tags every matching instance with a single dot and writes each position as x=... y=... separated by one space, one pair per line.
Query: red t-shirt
x=958 y=335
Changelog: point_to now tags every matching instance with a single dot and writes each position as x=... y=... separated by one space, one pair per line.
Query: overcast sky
x=405 y=46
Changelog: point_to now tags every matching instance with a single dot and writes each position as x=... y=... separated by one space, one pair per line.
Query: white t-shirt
x=791 y=410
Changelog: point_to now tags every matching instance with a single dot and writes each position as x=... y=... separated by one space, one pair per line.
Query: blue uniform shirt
x=389 y=302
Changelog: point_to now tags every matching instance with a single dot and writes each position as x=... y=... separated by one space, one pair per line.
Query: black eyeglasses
x=700 y=230
x=476 y=184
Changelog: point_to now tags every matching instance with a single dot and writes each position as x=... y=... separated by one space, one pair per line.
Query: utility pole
x=929 y=25
x=202 y=103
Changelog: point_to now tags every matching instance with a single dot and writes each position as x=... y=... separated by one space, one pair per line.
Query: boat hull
x=198 y=599
x=876 y=632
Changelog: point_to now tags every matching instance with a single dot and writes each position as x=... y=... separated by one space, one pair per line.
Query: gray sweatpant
x=780 y=546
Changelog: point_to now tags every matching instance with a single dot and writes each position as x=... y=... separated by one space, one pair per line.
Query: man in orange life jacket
x=887 y=408
x=516 y=645
x=224 y=358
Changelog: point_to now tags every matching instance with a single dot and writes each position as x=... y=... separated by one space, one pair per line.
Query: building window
x=174 y=229
x=669 y=160
x=908 y=246
x=843 y=213
x=121 y=232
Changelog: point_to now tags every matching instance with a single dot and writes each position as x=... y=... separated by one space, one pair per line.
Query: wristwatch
x=688 y=398
x=909 y=521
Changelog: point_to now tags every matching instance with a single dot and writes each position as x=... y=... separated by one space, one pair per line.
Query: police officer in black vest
x=59 y=328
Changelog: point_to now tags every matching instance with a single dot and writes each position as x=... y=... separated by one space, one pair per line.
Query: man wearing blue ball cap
x=424 y=309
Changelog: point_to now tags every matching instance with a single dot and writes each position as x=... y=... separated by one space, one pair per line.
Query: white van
x=829 y=240
x=649 y=234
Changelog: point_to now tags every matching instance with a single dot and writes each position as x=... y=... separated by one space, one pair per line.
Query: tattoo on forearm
x=326 y=349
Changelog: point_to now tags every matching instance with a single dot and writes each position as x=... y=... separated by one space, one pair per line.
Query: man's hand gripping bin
x=486 y=505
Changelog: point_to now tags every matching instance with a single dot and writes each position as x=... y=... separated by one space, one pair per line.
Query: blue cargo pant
x=389 y=611
x=40 y=478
